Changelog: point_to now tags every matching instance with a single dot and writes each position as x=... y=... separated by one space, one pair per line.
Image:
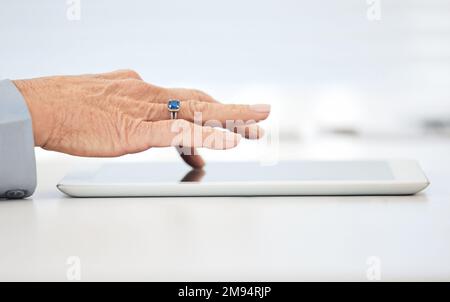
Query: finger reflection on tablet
x=194 y=175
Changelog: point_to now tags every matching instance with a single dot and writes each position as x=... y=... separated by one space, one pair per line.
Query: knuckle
x=197 y=110
x=138 y=87
x=132 y=74
x=195 y=106
x=125 y=83
x=198 y=92
x=138 y=84
x=111 y=88
x=134 y=82
x=203 y=96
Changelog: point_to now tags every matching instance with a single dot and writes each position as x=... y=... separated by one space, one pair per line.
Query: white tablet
x=247 y=179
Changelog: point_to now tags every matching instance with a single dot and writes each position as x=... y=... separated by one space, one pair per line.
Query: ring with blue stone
x=174 y=106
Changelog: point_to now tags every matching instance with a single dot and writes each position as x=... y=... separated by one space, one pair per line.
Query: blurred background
x=355 y=68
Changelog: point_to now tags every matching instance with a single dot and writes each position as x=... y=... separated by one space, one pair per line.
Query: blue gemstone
x=173 y=105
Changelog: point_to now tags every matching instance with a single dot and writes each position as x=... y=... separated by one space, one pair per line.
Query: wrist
x=31 y=91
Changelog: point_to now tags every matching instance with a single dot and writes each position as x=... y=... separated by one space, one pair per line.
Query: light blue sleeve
x=17 y=160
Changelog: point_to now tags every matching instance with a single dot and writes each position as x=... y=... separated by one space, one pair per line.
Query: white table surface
x=239 y=238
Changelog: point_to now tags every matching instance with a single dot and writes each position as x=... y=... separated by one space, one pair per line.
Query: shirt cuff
x=17 y=159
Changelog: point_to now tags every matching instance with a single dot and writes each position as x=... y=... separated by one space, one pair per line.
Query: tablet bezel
x=408 y=179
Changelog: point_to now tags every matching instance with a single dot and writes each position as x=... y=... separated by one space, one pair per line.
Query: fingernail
x=262 y=108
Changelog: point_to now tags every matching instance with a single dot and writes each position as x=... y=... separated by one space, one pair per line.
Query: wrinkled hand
x=117 y=113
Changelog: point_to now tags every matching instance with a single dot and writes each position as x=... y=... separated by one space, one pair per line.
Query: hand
x=117 y=113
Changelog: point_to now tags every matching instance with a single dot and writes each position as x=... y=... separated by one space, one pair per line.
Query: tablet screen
x=244 y=172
